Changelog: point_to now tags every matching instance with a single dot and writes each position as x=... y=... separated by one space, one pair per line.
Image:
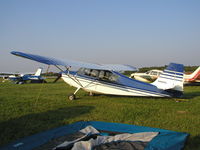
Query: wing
x=119 y=67
x=68 y=63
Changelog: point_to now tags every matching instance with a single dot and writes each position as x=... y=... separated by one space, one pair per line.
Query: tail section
x=193 y=76
x=38 y=72
x=171 y=79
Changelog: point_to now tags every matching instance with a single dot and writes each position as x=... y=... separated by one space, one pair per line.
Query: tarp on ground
x=164 y=140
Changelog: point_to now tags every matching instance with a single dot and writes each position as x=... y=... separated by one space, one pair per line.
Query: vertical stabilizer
x=171 y=78
x=38 y=72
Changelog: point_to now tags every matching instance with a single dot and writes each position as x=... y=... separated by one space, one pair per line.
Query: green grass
x=31 y=108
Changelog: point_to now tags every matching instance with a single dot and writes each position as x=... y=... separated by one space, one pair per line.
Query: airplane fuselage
x=121 y=85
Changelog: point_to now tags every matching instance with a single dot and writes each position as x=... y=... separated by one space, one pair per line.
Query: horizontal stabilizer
x=69 y=63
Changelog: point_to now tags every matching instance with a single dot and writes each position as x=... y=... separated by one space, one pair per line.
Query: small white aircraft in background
x=21 y=78
x=148 y=76
x=152 y=75
x=106 y=79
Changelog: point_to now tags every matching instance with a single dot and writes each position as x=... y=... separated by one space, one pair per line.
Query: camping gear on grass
x=98 y=135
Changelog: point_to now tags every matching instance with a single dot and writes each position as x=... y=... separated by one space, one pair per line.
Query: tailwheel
x=72 y=97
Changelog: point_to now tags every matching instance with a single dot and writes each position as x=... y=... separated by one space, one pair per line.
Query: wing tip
x=15 y=52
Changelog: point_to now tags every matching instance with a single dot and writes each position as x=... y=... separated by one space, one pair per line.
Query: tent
x=102 y=135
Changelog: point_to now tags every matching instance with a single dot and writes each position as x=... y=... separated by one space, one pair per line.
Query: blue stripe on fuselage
x=172 y=72
x=167 y=75
x=170 y=78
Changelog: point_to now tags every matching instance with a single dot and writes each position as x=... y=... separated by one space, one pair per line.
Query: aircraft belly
x=97 y=86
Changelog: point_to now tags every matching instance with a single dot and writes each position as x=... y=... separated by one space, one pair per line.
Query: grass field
x=31 y=108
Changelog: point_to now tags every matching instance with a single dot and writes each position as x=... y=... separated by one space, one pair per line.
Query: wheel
x=91 y=94
x=20 y=82
x=71 y=97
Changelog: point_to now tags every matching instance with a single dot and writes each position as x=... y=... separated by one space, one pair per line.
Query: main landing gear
x=73 y=96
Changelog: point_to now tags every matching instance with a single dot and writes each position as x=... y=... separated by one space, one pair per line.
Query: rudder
x=38 y=72
x=171 y=79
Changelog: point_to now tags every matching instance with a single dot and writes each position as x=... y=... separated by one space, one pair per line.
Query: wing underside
x=71 y=63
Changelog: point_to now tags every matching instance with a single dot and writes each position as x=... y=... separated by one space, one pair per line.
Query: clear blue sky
x=139 y=33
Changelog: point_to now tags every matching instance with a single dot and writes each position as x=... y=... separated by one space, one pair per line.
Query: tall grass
x=31 y=108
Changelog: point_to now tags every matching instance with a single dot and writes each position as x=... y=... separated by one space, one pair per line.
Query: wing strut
x=59 y=68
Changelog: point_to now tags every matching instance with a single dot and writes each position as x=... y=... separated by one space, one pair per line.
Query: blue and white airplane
x=106 y=79
x=23 y=78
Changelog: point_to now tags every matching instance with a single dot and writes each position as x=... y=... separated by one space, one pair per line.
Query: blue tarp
x=166 y=140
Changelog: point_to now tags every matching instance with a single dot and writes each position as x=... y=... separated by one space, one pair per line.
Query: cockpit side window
x=87 y=72
x=154 y=73
x=99 y=74
x=94 y=73
x=113 y=78
x=107 y=76
x=81 y=71
x=84 y=71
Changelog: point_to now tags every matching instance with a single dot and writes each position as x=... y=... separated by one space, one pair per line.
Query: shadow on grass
x=191 y=95
x=33 y=123
x=193 y=143
x=131 y=97
x=193 y=84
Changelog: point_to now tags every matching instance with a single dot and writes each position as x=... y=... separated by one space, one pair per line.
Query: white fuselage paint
x=96 y=86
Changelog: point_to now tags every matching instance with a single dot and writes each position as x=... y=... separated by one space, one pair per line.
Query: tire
x=71 y=97
x=20 y=82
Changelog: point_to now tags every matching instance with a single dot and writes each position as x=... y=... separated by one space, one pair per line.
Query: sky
x=140 y=33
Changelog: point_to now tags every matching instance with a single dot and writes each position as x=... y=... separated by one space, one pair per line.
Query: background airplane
x=151 y=75
x=23 y=78
x=193 y=78
x=148 y=76
x=106 y=79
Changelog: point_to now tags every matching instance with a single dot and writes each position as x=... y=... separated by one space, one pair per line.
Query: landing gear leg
x=73 y=96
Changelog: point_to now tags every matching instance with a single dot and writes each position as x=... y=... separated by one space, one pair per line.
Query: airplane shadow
x=14 y=129
x=186 y=95
x=118 y=96
x=193 y=84
x=191 y=95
